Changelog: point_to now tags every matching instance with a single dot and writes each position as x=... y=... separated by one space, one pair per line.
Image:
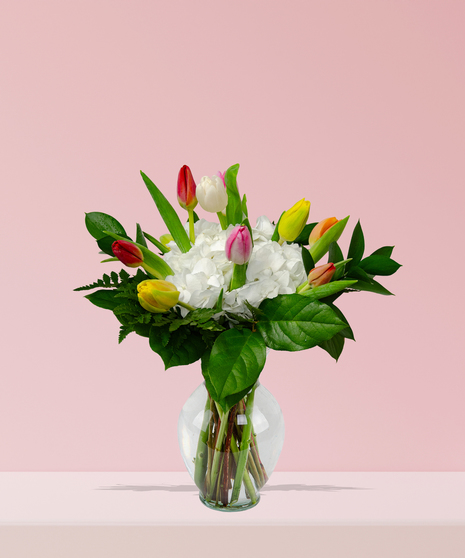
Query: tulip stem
x=239 y=276
x=281 y=241
x=191 y=225
x=223 y=221
x=186 y=306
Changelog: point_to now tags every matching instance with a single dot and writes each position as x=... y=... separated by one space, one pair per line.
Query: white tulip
x=211 y=194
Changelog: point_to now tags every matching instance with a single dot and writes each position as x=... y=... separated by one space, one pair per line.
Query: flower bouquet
x=225 y=293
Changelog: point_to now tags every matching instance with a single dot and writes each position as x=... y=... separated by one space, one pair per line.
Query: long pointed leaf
x=169 y=215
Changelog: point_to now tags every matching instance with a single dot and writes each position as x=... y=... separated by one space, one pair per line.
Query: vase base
x=234 y=508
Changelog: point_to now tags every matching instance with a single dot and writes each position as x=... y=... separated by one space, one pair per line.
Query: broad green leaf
x=379 y=265
x=321 y=246
x=234 y=365
x=156 y=265
x=275 y=236
x=307 y=260
x=384 y=251
x=104 y=298
x=177 y=348
x=140 y=239
x=234 y=207
x=303 y=236
x=333 y=346
x=169 y=215
x=156 y=243
x=97 y=222
x=357 y=246
x=294 y=323
x=329 y=289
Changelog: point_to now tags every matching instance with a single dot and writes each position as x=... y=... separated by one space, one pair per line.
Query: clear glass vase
x=231 y=455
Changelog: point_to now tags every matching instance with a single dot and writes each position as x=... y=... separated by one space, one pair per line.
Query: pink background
x=358 y=106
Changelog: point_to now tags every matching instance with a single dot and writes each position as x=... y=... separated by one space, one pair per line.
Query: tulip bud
x=212 y=194
x=319 y=230
x=239 y=245
x=165 y=239
x=321 y=275
x=186 y=188
x=127 y=253
x=157 y=295
x=221 y=175
x=293 y=221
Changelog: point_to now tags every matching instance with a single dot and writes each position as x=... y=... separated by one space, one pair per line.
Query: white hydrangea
x=201 y=273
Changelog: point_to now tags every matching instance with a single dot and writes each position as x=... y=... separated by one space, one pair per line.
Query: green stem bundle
x=227 y=456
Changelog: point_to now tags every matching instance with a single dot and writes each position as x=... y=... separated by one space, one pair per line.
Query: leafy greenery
x=233 y=365
x=294 y=323
x=169 y=215
x=234 y=213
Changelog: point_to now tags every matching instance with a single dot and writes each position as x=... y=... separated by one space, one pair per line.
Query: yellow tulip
x=293 y=221
x=156 y=295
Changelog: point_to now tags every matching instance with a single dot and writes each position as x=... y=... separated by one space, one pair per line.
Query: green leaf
x=140 y=239
x=321 y=246
x=366 y=283
x=97 y=222
x=181 y=347
x=307 y=260
x=372 y=287
x=357 y=246
x=335 y=253
x=244 y=206
x=169 y=215
x=329 y=289
x=163 y=249
x=334 y=346
x=275 y=236
x=234 y=365
x=347 y=331
x=379 y=265
x=105 y=244
x=294 y=323
x=303 y=236
x=234 y=207
x=384 y=251
x=104 y=299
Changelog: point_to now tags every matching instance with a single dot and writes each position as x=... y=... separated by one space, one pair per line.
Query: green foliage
x=294 y=323
x=233 y=365
x=107 y=281
x=140 y=238
x=379 y=265
x=169 y=215
x=303 y=236
x=234 y=207
x=356 y=247
x=275 y=236
x=307 y=260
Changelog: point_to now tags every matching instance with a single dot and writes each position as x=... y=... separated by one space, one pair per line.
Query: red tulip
x=186 y=189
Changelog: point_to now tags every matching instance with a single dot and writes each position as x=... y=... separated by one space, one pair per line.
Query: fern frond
x=124 y=331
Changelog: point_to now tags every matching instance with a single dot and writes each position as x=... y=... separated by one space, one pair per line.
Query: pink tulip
x=239 y=245
x=321 y=275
